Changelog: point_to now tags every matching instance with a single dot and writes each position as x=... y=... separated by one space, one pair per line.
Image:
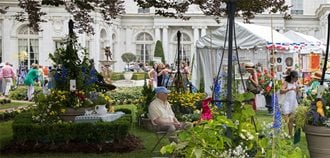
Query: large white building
x=138 y=30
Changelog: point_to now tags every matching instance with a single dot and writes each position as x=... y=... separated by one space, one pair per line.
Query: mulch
x=130 y=143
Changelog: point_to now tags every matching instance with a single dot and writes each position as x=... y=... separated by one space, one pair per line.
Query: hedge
x=25 y=130
x=120 y=76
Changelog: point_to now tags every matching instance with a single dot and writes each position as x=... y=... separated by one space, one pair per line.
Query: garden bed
x=128 y=144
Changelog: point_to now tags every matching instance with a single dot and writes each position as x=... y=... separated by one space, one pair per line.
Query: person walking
x=29 y=80
x=8 y=75
x=290 y=88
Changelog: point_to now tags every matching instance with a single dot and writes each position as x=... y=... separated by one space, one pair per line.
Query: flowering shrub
x=50 y=106
x=185 y=102
x=100 y=98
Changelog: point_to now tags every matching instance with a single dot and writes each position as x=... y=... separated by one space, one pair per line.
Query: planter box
x=318 y=140
x=71 y=113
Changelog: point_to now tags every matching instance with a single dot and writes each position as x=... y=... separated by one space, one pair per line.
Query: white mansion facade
x=138 y=30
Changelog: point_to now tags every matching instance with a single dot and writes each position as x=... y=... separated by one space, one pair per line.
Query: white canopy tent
x=305 y=43
x=252 y=41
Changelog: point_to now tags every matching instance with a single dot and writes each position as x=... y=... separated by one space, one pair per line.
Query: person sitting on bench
x=161 y=113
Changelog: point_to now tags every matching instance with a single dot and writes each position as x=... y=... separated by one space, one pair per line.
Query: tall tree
x=159 y=52
x=216 y=8
x=81 y=11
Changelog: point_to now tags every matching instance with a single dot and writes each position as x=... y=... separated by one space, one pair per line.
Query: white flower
x=242 y=136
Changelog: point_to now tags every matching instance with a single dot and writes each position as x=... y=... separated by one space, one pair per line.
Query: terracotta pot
x=318 y=140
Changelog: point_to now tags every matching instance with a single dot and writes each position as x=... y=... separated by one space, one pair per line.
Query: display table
x=96 y=117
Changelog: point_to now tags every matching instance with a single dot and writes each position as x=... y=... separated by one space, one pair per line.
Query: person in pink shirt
x=8 y=74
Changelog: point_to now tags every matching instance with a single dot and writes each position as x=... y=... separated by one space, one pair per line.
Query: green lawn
x=147 y=137
x=14 y=104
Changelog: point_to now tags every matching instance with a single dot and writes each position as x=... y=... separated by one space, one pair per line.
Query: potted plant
x=312 y=115
x=73 y=79
x=128 y=57
x=100 y=101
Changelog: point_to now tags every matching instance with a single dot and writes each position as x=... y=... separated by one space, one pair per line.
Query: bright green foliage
x=246 y=139
x=159 y=52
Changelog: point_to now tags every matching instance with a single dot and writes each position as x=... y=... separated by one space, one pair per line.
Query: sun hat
x=161 y=90
x=317 y=75
x=249 y=65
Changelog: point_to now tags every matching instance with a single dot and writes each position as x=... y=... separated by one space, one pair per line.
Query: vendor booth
x=309 y=50
x=254 y=44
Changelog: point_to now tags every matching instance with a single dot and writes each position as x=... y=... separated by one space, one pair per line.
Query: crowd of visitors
x=163 y=74
x=11 y=78
x=289 y=93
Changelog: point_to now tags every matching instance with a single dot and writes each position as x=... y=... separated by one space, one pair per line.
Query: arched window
x=28 y=46
x=185 y=48
x=103 y=44
x=143 y=47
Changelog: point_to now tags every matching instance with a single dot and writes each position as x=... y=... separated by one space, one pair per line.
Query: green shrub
x=139 y=75
x=26 y=130
x=125 y=95
x=117 y=76
x=20 y=93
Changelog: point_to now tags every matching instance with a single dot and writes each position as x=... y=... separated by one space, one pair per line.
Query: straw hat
x=249 y=65
x=317 y=75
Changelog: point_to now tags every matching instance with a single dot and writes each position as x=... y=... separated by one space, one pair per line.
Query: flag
x=277 y=113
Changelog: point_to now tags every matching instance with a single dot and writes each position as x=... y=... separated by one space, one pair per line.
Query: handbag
x=253 y=88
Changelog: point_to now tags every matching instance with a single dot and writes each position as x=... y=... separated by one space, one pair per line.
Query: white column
x=196 y=34
x=129 y=36
x=157 y=33
x=203 y=33
x=96 y=45
x=166 y=45
x=9 y=45
x=45 y=44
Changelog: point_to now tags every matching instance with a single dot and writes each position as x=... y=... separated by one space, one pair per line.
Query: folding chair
x=159 y=134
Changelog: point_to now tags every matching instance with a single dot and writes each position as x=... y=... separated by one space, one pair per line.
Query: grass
x=148 y=138
x=13 y=104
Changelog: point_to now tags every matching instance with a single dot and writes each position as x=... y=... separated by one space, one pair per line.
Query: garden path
x=15 y=101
